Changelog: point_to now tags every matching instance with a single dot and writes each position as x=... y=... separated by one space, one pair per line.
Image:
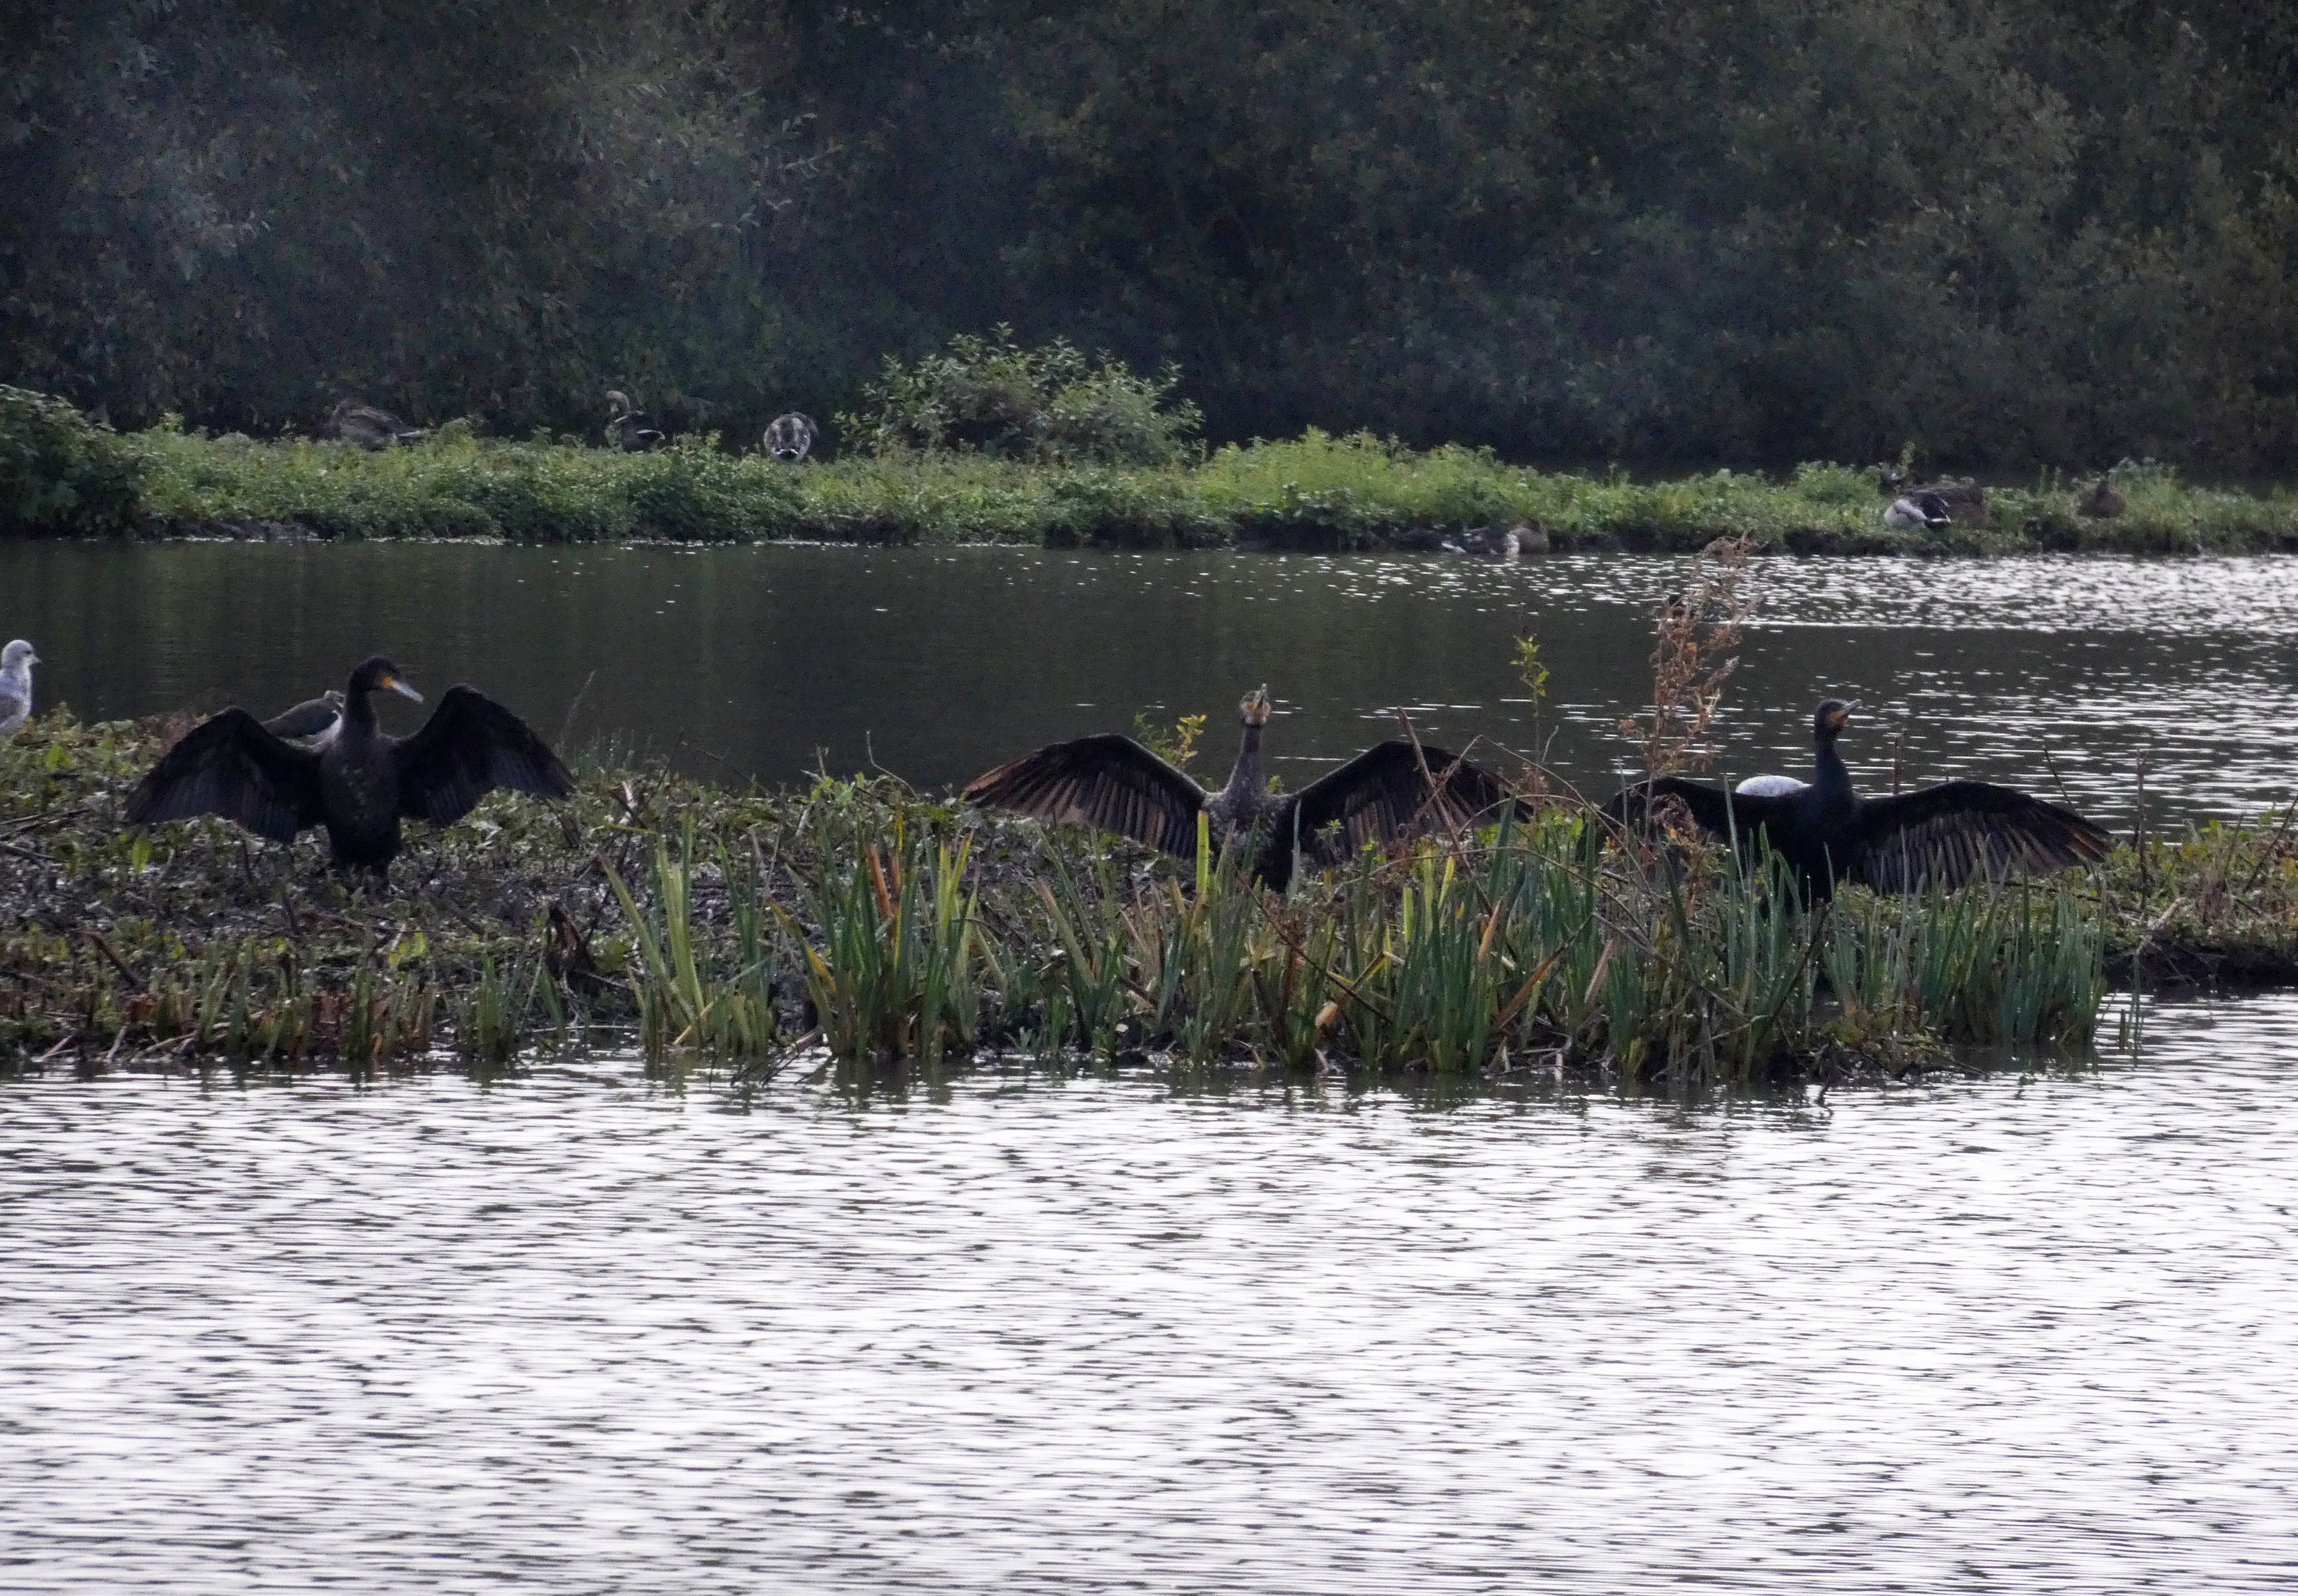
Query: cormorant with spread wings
x=1392 y=790
x=1949 y=833
x=360 y=782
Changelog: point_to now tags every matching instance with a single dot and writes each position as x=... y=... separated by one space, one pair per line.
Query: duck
x=16 y=662
x=1945 y=834
x=1392 y=790
x=2100 y=501
x=1965 y=500
x=628 y=427
x=1923 y=511
x=312 y=723
x=789 y=438
x=359 y=783
x=369 y=428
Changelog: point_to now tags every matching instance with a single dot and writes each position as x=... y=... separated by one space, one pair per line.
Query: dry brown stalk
x=1695 y=632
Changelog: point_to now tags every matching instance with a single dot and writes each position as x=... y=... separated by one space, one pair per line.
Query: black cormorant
x=362 y=781
x=1912 y=510
x=1947 y=833
x=1389 y=790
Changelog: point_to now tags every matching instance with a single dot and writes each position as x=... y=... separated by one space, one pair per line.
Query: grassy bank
x=1315 y=491
x=868 y=921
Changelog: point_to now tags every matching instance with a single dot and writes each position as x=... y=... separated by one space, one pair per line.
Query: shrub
x=60 y=472
x=1050 y=406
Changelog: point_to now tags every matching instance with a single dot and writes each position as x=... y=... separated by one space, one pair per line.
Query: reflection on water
x=577 y=1334
x=937 y=663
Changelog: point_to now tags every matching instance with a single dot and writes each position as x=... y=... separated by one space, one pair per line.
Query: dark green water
x=938 y=664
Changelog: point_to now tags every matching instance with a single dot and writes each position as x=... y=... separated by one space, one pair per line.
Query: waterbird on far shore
x=359 y=783
x=2100 y=501
x=789 y=438
x=1914 y=511
x=369 y=428
x=312 y=723
x=1947 y=834
x=16 y=662
x=627 y=427
x=1392 y=790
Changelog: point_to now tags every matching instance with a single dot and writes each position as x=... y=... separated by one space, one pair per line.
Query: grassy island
x=875 y=924
x=60 y=476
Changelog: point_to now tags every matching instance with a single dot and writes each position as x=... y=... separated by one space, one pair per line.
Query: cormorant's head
x=618 y=401
x=377 y=674
x=1830 y=719
x=17 y=655
x=1254 y=710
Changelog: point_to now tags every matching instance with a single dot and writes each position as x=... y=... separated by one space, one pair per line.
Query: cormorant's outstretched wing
x=1382 y=795
x=1106 y=780
x=1720 y=814
x=229 y=766
x=470 y=745
x=1958 y=830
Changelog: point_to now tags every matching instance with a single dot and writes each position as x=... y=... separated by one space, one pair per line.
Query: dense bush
x=60 y=472
x=1047 y=406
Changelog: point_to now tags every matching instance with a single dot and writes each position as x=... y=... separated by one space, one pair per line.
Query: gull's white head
x=17 y=657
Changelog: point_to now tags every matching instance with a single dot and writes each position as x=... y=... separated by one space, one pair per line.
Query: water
x=2037 y=1333
x=2055 y=674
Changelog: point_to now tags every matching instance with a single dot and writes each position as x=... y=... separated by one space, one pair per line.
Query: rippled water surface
x=2055 y=673
x=581 y=1332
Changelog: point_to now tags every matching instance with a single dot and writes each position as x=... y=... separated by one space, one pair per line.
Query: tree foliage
x=2013 y=231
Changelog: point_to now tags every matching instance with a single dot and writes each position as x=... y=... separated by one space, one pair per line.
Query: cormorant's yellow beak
x=1255 y=707
x=401 y=688
x=1843 y=716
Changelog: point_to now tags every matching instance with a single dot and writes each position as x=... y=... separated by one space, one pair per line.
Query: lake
x=585 y=1332
x=2057 y=673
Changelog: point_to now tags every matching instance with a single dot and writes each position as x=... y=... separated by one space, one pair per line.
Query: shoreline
x=1317 y=492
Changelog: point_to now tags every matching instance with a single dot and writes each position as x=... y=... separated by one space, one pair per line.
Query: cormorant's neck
x=358 y=711
x=1246 y=776
x=1831 y=777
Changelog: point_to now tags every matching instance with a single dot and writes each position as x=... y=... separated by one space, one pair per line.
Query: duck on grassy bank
x=1918 y=512
x=1945 y=834
x=368 y=428
x=16 y=662
x=1965 y=500
x=1392 y=790
x=627 y=426
x=312 y=723
x=358 y=783
x=790 y=439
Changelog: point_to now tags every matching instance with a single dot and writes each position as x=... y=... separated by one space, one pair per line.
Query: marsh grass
x=859 y=920
x=1317 y=491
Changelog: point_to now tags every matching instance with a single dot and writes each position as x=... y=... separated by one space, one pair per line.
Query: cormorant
x=369 y=428
x=1946 y=833
x=1389 y=790
x=312 y=723
x=361 y=781
x=628 y=428
x=16 y=662
x=2100 y=501
x=789 y=437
